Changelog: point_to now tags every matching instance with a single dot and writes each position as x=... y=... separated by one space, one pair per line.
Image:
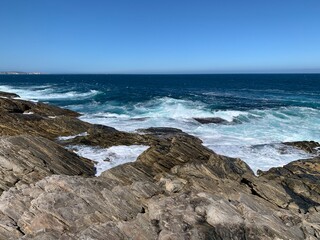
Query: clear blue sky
x=167 y=36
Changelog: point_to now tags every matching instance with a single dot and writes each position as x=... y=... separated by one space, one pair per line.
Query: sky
x=167 y=36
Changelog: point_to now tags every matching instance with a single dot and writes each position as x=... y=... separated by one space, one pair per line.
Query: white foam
x=256 y=127
x=229 y=115
x=62 y=138
x=47 y=92
x=107 y=158
x=262 y=157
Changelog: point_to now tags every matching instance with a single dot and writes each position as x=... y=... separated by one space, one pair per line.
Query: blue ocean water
x=265 y=109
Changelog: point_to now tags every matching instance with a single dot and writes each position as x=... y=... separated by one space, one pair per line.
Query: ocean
x=261 y=110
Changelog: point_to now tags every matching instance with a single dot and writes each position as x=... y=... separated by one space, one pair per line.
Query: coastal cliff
x=176 y=189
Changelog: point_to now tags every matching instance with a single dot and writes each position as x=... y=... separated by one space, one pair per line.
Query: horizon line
x=190 y=73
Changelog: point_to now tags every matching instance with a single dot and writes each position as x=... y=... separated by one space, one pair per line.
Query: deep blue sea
x=266 y=109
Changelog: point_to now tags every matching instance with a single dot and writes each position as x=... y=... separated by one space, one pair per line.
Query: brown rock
x=307 y=146
x=22 y=117
x=103 y=136
x=26 y=159
x=301 y=182
x=8 y=95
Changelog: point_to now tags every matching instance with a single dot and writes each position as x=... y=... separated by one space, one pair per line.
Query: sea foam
x=48 y=93
x=246 y=128
x=107 y=158
x=267 y=127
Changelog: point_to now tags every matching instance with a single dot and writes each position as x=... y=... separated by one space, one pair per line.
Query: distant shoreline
x=157 y=74
x=19 y=73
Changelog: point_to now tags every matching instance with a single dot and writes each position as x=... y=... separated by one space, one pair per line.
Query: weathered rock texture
x=177 y=189
x=38 y=119
x=27 y=159
x=22 y=117
x=308 y=146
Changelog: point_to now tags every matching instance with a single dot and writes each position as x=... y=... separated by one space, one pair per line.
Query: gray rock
x=215 y=120
x=27 y=159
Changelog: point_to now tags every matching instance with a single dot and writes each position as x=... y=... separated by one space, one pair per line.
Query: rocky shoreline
x=176 y=189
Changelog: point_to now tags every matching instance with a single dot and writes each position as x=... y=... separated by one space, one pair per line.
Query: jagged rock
x=300 y=180
x=201 y=195
x=45 y=110
x=22 y=117
x=27 y=159
x=103 y=136
x=177 y=189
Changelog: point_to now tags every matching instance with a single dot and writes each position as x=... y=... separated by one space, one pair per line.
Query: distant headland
x=19 y=73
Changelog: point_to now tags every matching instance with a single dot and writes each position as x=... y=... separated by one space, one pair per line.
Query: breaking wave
x=48 y=93
x=257 y=119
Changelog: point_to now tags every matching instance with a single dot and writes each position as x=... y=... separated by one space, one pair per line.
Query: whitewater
x=260 y=116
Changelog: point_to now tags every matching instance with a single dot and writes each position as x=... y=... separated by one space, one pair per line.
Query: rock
x=103 y=136
x=22 y=117
x=8 y=95
x=26 y=159
x=68 y=205
x=42 y=109
x=307 y=146
x=176 y=189
x=300 y=180
x=13 y=124
x=160 y=131
x=171 y=183
x=198 y=195
x=215 y=120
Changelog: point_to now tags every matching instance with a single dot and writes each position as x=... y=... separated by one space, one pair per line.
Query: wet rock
x=307 y=146
x=215 y=120
x=161 y=130
x=8 y=95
